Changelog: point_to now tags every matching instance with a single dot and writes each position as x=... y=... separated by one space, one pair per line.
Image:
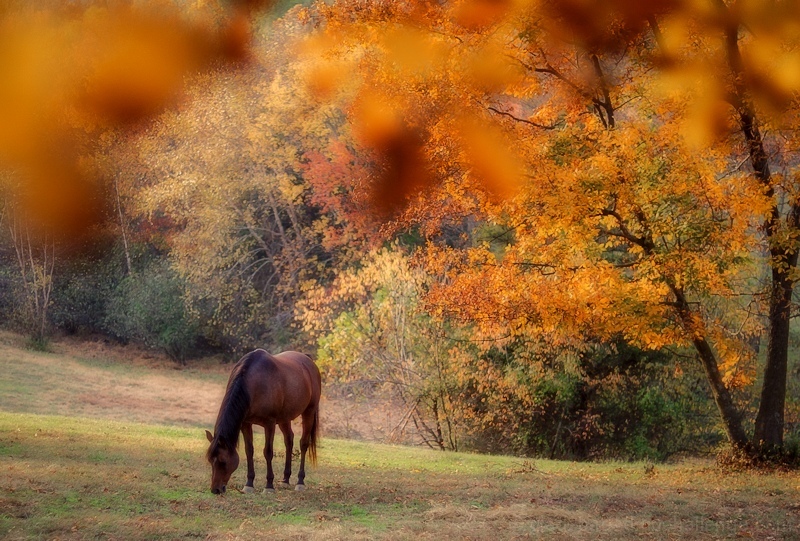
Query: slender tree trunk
x=731 y=418
x=48 y=266
x=122 y=226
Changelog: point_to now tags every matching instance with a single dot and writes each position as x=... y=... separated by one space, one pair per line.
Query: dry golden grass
x=98 y=379
x=101 y=381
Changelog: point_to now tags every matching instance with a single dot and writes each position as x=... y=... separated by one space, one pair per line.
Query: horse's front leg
x=269 y=432
x=288 y=441
x=247 y=433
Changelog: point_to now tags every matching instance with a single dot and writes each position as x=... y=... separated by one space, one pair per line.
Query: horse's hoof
x=300 y=487
x=248 y=490
x=269 y=491
x=285 y=485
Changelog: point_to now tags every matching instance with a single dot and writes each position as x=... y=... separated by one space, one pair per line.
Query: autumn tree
x=231 y=172
x=760 y=85
x=34 y=255
x=372 y=329
x=611 y=140
x=73 y=73
x=86 y=87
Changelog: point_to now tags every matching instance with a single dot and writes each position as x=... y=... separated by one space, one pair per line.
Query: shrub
x=82 y=292
x=148 y=307
x=610 y=401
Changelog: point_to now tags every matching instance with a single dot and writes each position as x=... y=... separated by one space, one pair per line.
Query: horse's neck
x=228 y=427
x=231 y=416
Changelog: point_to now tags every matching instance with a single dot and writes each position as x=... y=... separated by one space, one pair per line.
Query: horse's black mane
x=233 y=409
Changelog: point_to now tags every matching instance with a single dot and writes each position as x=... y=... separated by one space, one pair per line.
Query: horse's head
x=224 y=460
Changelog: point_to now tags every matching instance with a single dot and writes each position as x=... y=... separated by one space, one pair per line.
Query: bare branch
x=524 y=120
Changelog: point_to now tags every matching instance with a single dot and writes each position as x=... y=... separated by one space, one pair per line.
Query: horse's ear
x=209 y=436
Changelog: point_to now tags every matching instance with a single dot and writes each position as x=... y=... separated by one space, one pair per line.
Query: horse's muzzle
x=218 y=490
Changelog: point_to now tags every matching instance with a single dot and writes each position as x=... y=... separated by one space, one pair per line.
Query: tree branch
x=643 y=242
x=659 y=37
x=524 y=120
x=605 y=103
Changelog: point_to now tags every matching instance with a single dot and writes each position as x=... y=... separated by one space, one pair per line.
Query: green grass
x=66 y=472
x=66 y=477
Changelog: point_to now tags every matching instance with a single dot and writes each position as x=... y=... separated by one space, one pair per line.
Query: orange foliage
x=600 y=135
x=70 y=74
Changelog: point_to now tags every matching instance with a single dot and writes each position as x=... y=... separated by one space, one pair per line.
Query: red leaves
x=607 y=25
x=400 y=167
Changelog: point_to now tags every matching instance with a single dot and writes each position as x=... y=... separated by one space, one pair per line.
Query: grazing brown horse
x=265 y=390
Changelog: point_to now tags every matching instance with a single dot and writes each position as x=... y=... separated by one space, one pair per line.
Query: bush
x=82 y=293
x=16 y=309
x=10 y=301
x=148 y=307
x=608 y=402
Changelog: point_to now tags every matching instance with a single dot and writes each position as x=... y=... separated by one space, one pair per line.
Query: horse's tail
x=312 y=441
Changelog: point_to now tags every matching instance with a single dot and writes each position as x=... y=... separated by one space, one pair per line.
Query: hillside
x=100 y=380
x=110 y=448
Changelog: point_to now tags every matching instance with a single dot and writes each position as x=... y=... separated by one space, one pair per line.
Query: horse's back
x=293 y=359
x=282 y=386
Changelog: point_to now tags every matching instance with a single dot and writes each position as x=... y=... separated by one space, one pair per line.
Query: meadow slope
x=124 y=460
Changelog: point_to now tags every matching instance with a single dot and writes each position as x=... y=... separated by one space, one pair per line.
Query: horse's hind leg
x=247 y=432
x=309 y=418
x=269 y=432
x=288 y=441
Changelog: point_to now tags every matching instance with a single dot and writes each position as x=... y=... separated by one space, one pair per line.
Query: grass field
x=97 y=444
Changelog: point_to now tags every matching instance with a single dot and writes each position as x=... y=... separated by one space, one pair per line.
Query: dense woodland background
x=560 y=229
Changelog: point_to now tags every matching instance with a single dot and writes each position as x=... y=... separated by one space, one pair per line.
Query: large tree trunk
x=768 y=435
